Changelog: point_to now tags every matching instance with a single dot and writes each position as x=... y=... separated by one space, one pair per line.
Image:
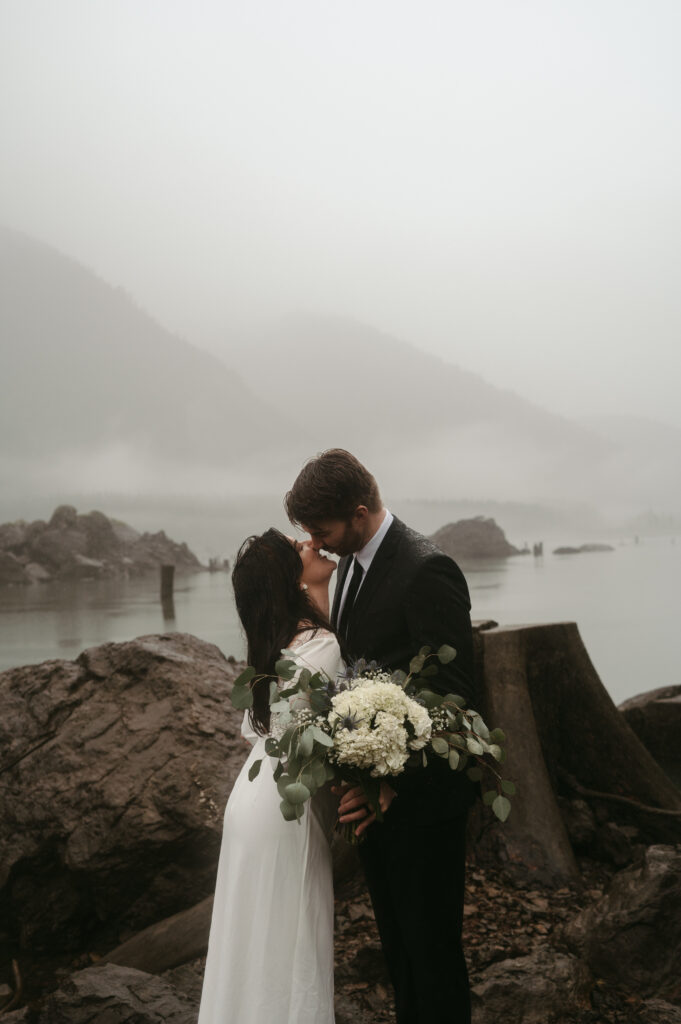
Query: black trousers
x=415 y=875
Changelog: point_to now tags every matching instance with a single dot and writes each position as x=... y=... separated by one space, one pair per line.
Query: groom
x=396 y=592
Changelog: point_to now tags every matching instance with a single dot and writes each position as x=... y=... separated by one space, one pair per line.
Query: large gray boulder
x=546 y=985
x=473 y=538
x=655 y=717
x=114 y=774
x=632 y=936
x=110 y=995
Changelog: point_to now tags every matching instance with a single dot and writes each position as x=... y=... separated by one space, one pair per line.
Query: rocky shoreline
x=114 y=772
x=73 y=546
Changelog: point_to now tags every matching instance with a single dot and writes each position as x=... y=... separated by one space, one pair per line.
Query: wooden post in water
x=167 y=583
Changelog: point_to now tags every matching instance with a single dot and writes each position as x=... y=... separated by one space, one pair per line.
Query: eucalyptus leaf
x=278 y=771
x=254 y=769
x=305 y=743
x=480 y=728
x=308 y=779
x=489 y=797
x=285 y=669
x=425 y=758
x=242 y=698
x=288 y=810
x=425 y=651
x=317 y=681
x=501 y=807
x=454 y=758
x=320 y=736
x=274 y=690
x=429 y=698
x=245 y=677
x=318 y=772
x=280 y=707
x=497 y=736
x=296 y=793
x=428 y=671
x=398 y=677
x=474 y=746
x=454 y=699
x=282 y=782
x=446 y=654
x=271 y=747
x=474 y=774
x=495 y=751
x=416 y=664
x=304 y=679
x=319 y=700
x=440 y=746
x=508 y=787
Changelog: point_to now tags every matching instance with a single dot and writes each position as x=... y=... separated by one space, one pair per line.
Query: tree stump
x=565 y=737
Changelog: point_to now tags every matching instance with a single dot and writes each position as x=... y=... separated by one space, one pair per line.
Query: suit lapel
x=381 y=563
x=341 y=573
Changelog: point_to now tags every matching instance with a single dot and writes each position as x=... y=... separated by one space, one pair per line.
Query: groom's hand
x=354 y=806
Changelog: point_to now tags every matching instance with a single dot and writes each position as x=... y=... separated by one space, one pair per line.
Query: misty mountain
x=97 y=397
x=433 y=427
x=89 y=379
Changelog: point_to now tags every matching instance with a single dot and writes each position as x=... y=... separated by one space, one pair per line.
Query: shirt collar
x=366 y=555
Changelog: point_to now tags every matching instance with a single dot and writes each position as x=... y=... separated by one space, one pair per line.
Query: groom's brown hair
x=331 y=486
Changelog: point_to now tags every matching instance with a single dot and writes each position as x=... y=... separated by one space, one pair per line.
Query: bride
x=270 y=953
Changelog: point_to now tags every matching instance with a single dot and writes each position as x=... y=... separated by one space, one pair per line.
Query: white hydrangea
x=368 y=725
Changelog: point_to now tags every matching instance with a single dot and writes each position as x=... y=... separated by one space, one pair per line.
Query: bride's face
x=316 y=568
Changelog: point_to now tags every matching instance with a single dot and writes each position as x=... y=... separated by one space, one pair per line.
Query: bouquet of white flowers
x=368 y=725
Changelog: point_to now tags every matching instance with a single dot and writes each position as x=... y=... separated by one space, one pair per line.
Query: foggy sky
x=497 y=182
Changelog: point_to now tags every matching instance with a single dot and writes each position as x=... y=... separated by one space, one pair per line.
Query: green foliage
x=244 y=678
x=296 y=793
x=320 y=736
x=446 y=654
x=429 y=698
x=285 y=669
x=440 y=746
x=254 y=769
x=508 y=787
x=288 y=810
x=242 y=697
x=305 y=743
x=474 y=774
x=501 y=807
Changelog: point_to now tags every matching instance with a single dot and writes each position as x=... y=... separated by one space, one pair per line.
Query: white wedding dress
x=270 y=953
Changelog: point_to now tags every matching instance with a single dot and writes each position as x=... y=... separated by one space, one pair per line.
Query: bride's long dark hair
x=272 y=607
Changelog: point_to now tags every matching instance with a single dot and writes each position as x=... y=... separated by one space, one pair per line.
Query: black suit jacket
x=413 y=595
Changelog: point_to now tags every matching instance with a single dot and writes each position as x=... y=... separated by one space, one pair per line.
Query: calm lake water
x=625 y=602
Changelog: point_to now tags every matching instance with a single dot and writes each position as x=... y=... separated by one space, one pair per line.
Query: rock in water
x=110 y=995
x=114 y=775
x=473 y=538
x=632 y=936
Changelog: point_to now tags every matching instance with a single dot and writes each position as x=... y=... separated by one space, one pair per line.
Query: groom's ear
x=360 y=514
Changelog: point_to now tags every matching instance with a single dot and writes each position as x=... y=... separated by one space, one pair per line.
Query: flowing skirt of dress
x=270 y=954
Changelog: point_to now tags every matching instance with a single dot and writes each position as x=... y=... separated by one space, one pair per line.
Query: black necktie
x=357 y=574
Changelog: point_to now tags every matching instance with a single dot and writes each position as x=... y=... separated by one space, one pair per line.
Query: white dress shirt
x=365 y=557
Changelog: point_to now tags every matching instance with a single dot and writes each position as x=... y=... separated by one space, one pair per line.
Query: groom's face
x=339 y=536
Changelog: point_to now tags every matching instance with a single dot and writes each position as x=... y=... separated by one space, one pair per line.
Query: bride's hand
x=354 y=806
